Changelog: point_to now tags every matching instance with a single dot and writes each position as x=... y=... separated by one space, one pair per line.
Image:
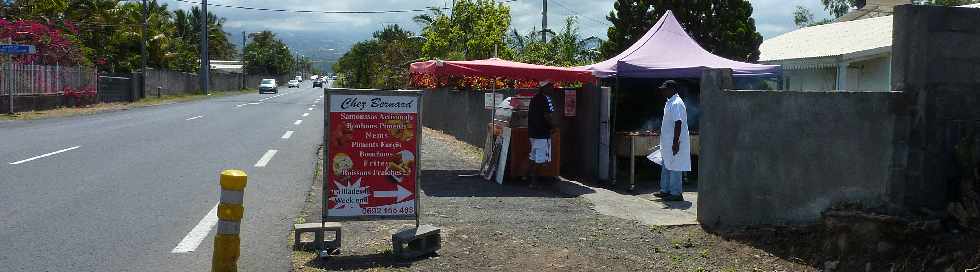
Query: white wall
x=822 y=79
x=866 y=75
x=870 y=75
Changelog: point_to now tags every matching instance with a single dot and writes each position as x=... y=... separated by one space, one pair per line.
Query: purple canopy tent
x=666 y=51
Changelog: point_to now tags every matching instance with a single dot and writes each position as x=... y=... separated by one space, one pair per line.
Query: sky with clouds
x=321 y=32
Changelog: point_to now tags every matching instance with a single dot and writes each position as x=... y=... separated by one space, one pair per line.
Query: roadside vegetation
x=106 y=34
x=481 y=29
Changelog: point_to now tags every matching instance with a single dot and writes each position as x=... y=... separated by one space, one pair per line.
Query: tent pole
x=612 y=133
x=493 y=99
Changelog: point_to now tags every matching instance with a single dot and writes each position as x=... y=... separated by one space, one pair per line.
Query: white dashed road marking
x=45 y=155
x=289 y=133
x=195 y=117
x=198 y=233
x=309 y=109
x=298 y=122
x=306 y=114
x=266 y=158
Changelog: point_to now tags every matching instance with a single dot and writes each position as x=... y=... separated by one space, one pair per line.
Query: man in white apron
x=675 y=143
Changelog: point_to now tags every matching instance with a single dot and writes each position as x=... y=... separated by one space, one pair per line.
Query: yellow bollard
x=230 y=212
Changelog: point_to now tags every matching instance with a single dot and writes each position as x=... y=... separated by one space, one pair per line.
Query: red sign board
x=372 y=155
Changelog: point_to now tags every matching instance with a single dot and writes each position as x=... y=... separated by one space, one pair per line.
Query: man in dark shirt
x=539 y=127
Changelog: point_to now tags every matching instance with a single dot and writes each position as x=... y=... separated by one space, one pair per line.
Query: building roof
x=830 y=43
x=843 y=39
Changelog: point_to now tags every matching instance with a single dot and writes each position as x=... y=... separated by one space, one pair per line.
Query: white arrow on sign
x=400 y=194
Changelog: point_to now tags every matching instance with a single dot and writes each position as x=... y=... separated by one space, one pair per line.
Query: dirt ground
x=491 y=227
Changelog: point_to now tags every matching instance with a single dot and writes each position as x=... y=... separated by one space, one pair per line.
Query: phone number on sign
x=388 y=211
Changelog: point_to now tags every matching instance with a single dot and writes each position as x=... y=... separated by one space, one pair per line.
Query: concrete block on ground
x=318 y=229
x=416 y=242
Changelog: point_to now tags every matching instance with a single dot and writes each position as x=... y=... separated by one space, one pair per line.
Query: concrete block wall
x=172 y=83
x=771 y=157
x=937 y=64
x=784 y=157
x=38 y=102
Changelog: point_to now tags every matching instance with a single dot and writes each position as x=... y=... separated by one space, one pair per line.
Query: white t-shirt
x=675 y=110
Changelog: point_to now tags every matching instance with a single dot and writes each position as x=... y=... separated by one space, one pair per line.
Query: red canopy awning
x=498 y=68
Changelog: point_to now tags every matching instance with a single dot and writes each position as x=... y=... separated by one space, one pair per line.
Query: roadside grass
x=105 y=107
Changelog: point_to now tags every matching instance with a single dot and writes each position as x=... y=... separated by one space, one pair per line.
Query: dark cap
x=669 y=84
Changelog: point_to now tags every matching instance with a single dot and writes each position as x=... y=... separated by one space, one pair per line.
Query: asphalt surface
x=128 y=186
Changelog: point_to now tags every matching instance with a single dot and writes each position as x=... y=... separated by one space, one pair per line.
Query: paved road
x=128 y=186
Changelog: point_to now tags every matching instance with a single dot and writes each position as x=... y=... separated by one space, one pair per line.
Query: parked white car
x=268 y=85
x=299 y=78
x=293 y=83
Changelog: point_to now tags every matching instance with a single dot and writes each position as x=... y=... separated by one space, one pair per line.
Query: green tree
x=630 y=21
x=267 y=55
x=188 y=26
x=802 y=17
x=110 y=31
x=565 y=48
x=723 y=27
x=838 y=8
x=37 y=10
x=381 y=62
x=356 y=67
x=94 y=19
x=476 y=30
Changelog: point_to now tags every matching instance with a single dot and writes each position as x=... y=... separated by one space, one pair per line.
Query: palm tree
x=187 y=26
x=566 y=48
x=572 y=49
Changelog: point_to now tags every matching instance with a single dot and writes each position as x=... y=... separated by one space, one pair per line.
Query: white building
x=845 y=55
x=227 y=66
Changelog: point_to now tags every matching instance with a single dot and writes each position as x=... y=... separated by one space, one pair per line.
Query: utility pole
x=544 y=21
x=205 y=61
x=146 y=11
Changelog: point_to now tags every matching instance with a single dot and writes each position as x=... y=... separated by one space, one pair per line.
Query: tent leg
x=612 y=134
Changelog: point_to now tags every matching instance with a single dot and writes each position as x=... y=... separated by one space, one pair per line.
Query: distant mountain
x=321 y=46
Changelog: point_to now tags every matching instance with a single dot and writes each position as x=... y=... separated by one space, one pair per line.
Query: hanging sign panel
x=372 y=155
x=570 y=103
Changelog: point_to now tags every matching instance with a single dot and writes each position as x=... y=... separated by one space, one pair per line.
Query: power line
x=562 y=5
x=317 y=11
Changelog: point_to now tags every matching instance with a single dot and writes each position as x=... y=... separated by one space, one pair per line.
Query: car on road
x=293 y=83
x=299 y=78
x=268 y=85
x=318 y=83
x=314 y=77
